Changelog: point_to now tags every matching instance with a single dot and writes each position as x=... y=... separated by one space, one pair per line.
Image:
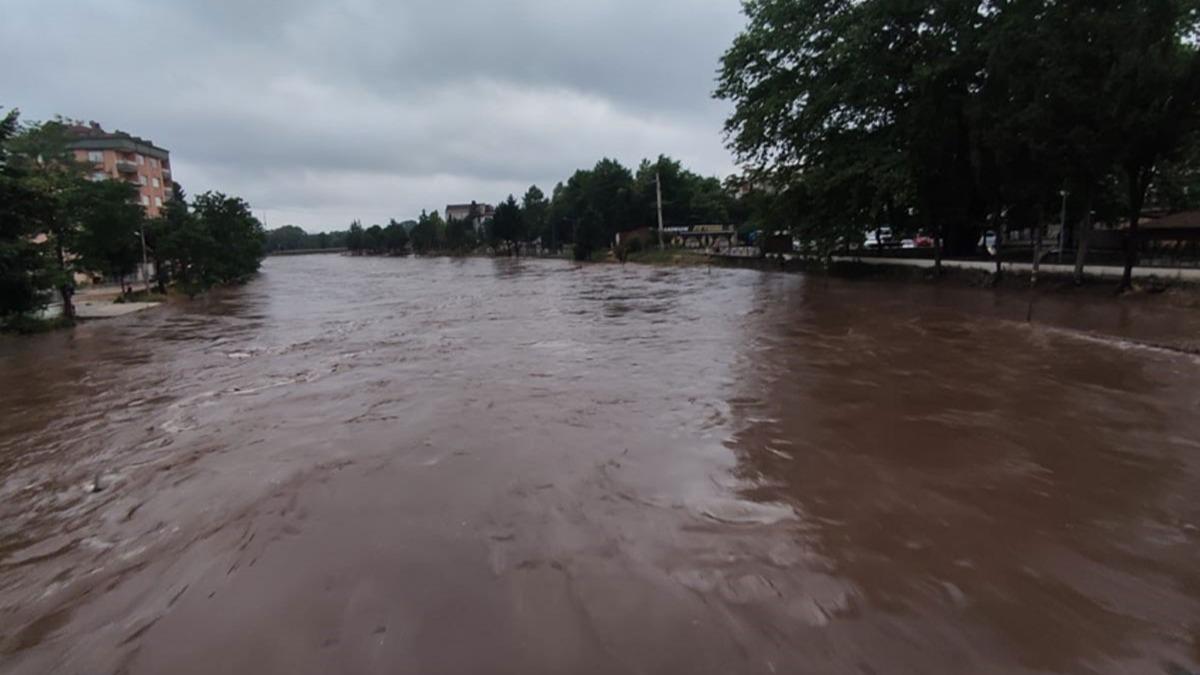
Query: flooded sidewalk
x=385 y=465
x=99 y=303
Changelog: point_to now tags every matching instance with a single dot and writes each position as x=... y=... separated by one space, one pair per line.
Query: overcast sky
x=321 y=112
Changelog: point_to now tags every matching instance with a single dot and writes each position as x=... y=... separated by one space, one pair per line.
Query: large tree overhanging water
x=961 y=116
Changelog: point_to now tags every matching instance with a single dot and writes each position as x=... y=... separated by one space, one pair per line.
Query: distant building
x=482 y=212
x=121 y=156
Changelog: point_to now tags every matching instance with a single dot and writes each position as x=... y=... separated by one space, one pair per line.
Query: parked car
x=987 y=242
x=908 y=243
x=923 y=241
x=881 y=238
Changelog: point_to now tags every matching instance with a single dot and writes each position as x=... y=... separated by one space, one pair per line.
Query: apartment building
x=121 y=156
x=482 y=212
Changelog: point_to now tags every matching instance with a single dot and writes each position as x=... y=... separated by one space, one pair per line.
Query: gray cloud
x=319 y=112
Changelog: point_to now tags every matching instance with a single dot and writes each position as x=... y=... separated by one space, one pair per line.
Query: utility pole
x=658 y=193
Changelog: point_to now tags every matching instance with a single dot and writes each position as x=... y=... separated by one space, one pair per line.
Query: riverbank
x=1174 y=285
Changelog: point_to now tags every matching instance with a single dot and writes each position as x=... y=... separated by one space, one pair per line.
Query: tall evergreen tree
x=26 y=271
x=535 y=212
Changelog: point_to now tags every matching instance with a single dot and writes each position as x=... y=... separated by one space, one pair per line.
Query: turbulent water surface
x=495 y=466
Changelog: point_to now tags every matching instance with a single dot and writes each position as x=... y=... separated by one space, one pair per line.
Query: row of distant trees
x=583 y=213
x=960 y=116
x=292 y=238
x=595 y=204
x=55 y=223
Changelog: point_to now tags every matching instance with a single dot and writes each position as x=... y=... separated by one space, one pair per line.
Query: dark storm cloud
x=319 y=112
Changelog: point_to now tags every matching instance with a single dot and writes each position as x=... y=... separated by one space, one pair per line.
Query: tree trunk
x=1139 y=180
x=1037 y=245
x=1085 y=236
x=160 y=275
x=67 y=288
x=938 y=240
x=65 y=292
x=999 y=230
x=1039 y=225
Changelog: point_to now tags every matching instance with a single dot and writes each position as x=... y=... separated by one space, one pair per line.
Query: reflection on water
x=427 y=466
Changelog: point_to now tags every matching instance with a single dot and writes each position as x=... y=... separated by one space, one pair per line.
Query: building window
x=95 y=156
x=141 y=159
x=153 y=163
x=158 y=201
x=141 y=179
x=145 y=200
x=154 y=182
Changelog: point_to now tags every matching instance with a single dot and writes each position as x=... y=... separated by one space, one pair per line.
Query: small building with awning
x=709 y=236
x=1182 y=226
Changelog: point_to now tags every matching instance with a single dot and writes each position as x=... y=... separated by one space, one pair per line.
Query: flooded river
x=495 y=466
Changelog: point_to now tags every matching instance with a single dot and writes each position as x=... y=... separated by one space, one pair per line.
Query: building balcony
x=127 y=167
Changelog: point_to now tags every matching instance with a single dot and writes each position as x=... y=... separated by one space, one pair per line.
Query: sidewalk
x=106 y=309
x=1114 y=271
x=96 y=302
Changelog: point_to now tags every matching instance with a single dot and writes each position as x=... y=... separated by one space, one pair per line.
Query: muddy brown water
x=495 y=466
